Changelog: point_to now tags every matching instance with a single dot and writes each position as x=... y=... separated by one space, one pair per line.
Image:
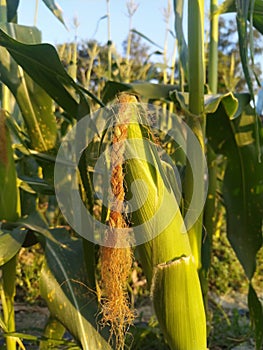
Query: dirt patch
x=30 y=319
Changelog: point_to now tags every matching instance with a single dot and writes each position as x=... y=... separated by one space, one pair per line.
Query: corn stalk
x=213 y=48
x=132 y=8
x=210 y=207
x=9 y=210
x=109 y=40
x=196 y=118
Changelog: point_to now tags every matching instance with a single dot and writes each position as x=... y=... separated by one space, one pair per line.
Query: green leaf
x=146 y=91
x=233 y=103
x=182 y=46
x=146 y=38
x=252 y=11
x=256 y=316
x=8 y=180
x=230 y=6
x=34 y=184
x=7 y=290
x=12 y=6
x=42 y=63
x=34 y=103
x=64 y=287
x=229 y=102
x=243 y=39
x=10 y=243
x=36 y=223
x=242 y=184
x=55 y=9
x=54 y=330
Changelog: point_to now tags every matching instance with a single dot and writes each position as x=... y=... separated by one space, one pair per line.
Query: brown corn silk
x=116 y=262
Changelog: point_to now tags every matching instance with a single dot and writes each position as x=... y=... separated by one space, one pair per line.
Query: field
x=132 y=189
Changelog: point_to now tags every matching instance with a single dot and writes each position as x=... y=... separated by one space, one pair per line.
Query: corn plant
x=81 y=292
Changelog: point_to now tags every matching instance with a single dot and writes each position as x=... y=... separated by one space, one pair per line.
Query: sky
x=148 y=20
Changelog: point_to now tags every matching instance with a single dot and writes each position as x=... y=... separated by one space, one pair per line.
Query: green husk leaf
x=179 y=305
x=161 y=224
x=156 y=217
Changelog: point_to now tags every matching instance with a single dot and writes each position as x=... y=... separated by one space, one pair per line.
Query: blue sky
x=148 y=19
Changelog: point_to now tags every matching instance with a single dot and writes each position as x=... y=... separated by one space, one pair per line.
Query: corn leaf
x=256 y=316
x=9 y=210
x=55 y=9
x=242 y=184
x=8 y=180
x=64 y=286
x=36 y=223
x=146 y=90
x=10 y=243
x=243 y=39
x=54 y=330
x=230 y=6
x=35 y=185
x=34 y=103
x=233 y=103
x=42 y=64
x=146 y=38
x=178 y=23
x=12 y=6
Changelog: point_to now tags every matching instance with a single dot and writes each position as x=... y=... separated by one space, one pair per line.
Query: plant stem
x=7 y=297
x=196 y=56
x=167 y=15
x=3 y=11
x=72 y=71
x=9 y=210
x=6 y=98
x=165 y=46
x=36 y=14
x=210 y=213
x=213 y=49
x=196 y=120
x=109 y=41
x=210 y=206
x=171 y=106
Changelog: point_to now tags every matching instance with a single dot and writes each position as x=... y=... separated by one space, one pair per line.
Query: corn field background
x=131 y=189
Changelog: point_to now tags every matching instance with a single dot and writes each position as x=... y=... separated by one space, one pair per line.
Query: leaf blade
x=55 y=9
x=64 y=287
